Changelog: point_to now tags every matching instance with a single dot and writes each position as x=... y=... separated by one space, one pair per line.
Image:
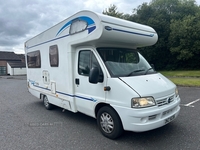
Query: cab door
x=87 y=95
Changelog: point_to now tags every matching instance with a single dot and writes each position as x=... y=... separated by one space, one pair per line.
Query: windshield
x=122 y=62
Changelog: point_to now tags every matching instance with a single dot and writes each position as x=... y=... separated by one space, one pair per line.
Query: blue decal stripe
x=149 y=35
x=75 y=96
x=90 y=29
x=64 y=27
x=65 y=94
x=84 y=18
x=85 y=98
x=87 y=19
x=48 y=41
x=41 y=87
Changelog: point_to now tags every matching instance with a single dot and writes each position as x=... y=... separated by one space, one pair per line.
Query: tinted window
x=87 y=60
x=53 y=56
x=33 y=59
x=84 y=63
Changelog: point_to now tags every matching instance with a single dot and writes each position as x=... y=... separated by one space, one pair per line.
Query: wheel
x=46 y=103
x=109 y=122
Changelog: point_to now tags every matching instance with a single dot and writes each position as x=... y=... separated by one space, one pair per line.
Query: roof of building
x=17 y=64
x=9 y=56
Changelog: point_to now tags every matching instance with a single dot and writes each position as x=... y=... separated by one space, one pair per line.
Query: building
x=12 y=64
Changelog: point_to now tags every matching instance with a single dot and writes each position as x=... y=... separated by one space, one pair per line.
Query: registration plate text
x=169 y=119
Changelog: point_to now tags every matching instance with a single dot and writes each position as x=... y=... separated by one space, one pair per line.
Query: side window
x=86 y=61
x=95 y=63
x=77 y=26
x=34 y=59
x=53 y=56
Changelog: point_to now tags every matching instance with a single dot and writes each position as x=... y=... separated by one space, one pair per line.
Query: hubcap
x=106 y=122
x=46 y=102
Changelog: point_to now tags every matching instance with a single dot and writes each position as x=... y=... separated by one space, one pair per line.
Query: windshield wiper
x=147 y=71
x=139 y=70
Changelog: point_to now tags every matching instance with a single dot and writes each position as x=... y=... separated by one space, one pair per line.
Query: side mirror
x=152 y=65
x=94 y=75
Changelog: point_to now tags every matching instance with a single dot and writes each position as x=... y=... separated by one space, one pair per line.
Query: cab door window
x=86 y=61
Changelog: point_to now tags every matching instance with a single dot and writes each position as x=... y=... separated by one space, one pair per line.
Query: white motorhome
x=89 y=63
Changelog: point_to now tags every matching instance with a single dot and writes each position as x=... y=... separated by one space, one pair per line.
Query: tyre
x=46 y=103
x=109 y=122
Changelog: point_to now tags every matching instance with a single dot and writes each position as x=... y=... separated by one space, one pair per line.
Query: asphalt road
x=26 y=125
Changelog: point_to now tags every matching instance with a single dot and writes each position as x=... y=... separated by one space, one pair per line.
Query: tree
x=159 y=19
x=185 y=41
x=172 y=19
x=112 y=11
x=177 y=25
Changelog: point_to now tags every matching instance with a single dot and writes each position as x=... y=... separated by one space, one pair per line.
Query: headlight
x=143 y=102
x=176 y=92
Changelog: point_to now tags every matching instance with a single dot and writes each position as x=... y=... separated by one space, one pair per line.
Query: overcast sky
x=22 y=19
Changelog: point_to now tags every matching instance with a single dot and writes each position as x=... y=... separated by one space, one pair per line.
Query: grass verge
x=195 y=82
x=193 y=73
x=183 y=78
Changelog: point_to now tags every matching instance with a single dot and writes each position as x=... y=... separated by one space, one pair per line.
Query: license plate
x=169 y=119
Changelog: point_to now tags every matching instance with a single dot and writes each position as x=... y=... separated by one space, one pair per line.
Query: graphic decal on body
x=35 y=84
x=90 y=24
x=108 y=28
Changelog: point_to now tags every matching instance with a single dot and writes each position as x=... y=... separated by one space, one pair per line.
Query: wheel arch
x=100 y=105
x=42 y=96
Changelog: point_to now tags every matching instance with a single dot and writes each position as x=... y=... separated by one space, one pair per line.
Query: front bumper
x=145 y=119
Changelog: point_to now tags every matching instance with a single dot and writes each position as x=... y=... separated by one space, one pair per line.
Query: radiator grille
x=165 y=101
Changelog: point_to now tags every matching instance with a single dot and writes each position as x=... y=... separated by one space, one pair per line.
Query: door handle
x=77 y=81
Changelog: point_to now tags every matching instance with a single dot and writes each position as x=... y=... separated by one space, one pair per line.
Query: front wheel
x=109 y=122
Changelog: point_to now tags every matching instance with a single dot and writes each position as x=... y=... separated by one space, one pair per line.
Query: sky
x=21 y=20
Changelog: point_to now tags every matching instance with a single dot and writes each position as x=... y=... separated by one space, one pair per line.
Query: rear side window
x=53 y=56
x=34 y=59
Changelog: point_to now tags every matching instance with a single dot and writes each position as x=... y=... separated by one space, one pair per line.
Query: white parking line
x=190 y=104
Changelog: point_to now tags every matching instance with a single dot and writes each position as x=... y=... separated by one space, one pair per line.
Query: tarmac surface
x=26 y=125
x=19 y=77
